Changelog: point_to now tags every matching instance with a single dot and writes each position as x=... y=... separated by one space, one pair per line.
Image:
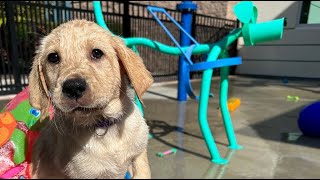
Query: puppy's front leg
x=141 y=168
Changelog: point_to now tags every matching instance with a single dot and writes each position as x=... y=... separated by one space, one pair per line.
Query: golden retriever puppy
x=97 y=131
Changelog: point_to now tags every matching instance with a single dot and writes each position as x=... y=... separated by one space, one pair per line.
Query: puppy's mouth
x=86 y=110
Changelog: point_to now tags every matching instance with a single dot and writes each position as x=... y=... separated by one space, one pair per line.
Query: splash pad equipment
x=252 y=33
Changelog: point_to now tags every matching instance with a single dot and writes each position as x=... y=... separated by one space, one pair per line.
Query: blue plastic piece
x=127 y=176
x=34 y=112
x=309 y=120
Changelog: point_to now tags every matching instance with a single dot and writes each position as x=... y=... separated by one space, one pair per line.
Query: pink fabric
x=8 y=169
x=51 y=110
x=23 y=95
x=12 y=172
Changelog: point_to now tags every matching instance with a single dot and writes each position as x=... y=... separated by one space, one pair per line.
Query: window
x=310 y=13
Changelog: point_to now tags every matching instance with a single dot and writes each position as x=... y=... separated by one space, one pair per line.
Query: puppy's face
x=83 y=67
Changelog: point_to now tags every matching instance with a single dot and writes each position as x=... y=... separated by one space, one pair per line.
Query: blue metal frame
x=186 y=8
x=152 y=10
x=185 y=63
x=185 y=40
x=184 y=86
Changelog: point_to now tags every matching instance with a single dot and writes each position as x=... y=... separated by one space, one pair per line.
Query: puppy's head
x=81 y=67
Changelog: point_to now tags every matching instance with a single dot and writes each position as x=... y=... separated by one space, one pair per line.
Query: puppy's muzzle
x=74 y=88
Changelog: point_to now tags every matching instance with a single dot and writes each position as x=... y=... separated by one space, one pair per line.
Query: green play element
x=294 y=98
x=19 y=139
x=21 y=113
x=244 y=11
x=262 y=32
x=254 y=32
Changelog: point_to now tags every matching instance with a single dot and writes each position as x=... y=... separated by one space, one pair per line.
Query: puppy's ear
x=138 y=74
x=37 y=90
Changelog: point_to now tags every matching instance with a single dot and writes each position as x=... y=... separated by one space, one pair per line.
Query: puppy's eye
x=54 y=58
x=96 y=54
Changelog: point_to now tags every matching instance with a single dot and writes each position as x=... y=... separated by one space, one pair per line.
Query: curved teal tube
x=201 y=49
x=224 y=83
x=99 y=15
x=204 y=100
x=138 y=103
x=203 y=107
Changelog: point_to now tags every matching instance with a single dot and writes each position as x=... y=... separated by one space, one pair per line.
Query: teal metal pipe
x=99 y=15
x=201 y=49
x=203 y=107
x=224 y=83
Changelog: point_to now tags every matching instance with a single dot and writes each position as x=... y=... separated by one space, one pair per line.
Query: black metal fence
x=24 y=23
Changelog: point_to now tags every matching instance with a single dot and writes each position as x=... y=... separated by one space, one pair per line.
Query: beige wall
x=296 y=55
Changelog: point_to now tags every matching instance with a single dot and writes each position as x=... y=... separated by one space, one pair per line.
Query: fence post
x=126 y=24
x=186 y=8
x=13 y=50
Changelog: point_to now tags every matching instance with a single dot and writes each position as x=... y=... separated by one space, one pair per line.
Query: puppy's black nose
x=74 y=88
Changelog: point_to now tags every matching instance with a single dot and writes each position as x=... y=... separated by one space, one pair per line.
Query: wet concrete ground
x=265 y=125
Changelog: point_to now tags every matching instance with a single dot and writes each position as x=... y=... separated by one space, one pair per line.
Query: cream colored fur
x=70 y=146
